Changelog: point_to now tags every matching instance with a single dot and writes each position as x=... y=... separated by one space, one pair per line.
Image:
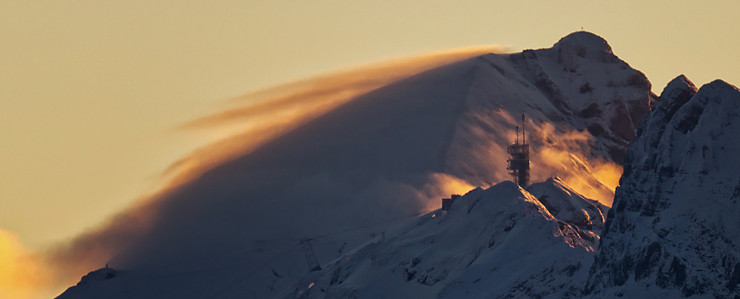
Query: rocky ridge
x=674 y=227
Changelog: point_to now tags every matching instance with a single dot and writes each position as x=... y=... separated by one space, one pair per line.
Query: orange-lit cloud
x=580 y=173
x=22 y=274
x=479 y=154
x=441 y=185
x=567 y=155
x=266 y=114
x=336 y=87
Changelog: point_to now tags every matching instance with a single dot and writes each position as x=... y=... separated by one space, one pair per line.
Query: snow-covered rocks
x=493 y=243
x=567 y=205
x=674 y=229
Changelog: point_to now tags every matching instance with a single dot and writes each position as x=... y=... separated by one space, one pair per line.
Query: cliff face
x=673 y=229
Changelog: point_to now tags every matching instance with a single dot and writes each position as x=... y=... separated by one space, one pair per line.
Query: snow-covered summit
x=673 y=230
x=679 y=90
x=586 y=44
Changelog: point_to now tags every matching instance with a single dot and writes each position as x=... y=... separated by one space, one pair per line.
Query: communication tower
x=519 y=158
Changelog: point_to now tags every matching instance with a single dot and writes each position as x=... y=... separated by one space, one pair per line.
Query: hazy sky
x=91 y=92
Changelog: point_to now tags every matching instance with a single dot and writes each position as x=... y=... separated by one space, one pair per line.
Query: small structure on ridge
x=447 y=202
x=313 y=263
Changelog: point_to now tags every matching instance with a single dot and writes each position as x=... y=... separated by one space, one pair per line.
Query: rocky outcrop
x=674 y=229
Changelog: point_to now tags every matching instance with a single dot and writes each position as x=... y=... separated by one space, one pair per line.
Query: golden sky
x=92 y=92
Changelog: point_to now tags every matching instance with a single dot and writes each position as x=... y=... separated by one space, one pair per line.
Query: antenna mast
x=519 y=158
x=524 y=136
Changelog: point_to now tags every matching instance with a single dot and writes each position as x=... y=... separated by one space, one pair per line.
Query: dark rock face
x=580 y=98
x=675 y=224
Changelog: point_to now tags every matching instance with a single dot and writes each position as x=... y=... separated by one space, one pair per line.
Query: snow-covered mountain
x=365 y=166
x=674 y=230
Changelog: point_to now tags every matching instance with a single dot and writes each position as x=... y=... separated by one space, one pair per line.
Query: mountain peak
x=679 y=91
x=721 y=84
x=584 y=42
x=680 y=88
x=682 y=79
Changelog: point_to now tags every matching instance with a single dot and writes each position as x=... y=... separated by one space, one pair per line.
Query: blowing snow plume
x=258 y=118
x=345 y=163
x=271 y=112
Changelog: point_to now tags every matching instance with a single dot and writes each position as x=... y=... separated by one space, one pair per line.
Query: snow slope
x=567 y=205
x=494 y=243
x=674 y=230
x=380 y=158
